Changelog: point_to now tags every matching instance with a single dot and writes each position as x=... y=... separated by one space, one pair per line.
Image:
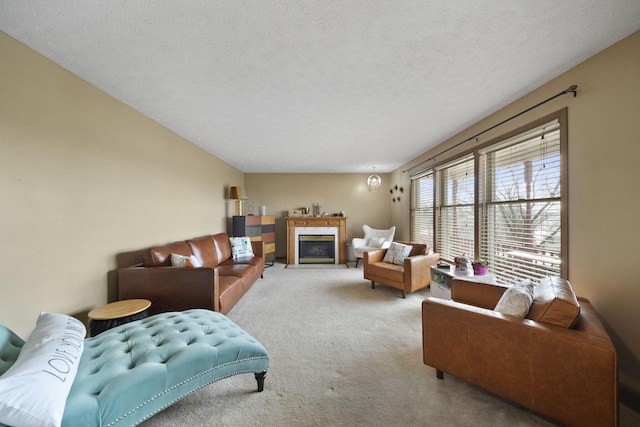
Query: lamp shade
x=238 y=193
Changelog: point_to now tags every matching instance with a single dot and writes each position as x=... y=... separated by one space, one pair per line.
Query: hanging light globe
x=374 y=182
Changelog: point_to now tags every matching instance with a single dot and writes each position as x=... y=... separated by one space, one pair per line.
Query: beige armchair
x=413 y=274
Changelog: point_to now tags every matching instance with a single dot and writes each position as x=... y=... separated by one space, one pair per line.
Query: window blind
x=422 y=193
x=520 y=201
x=455 y=209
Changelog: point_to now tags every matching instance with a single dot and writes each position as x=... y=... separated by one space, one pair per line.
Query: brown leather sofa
x=218 y=285
x=557 y=361
x=412 y=275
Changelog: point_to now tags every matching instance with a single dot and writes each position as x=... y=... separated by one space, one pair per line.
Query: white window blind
x=455 y=209
x=422 y=209
x=520 y=204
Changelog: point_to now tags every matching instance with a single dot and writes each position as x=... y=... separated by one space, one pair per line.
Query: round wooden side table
x=117 y=313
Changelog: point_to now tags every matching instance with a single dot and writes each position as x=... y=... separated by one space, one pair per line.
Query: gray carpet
x=342 y=354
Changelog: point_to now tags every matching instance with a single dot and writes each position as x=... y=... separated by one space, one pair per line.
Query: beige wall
x=604 y=210
x=280 y=192
x=84 y=178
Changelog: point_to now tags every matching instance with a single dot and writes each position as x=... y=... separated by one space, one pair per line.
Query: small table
x=441 y=280
x=117 y=313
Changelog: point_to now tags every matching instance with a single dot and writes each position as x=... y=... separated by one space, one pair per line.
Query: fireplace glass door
x=316 y=249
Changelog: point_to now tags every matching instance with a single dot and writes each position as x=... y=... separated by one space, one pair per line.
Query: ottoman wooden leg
x=260 y=378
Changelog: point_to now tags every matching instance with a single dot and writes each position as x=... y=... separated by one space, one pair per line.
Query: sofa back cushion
x=160 y=256
x=223 y=246
x=205 y=250
x=555 y=303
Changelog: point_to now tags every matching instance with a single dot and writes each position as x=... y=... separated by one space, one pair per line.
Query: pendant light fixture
x=374 y=182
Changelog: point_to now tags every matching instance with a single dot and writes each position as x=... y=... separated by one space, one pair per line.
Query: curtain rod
x=570 y=89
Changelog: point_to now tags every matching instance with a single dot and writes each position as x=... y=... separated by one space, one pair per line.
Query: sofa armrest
x=171 y=288
x=257 y=246
x=566 y=374
x=374 y=256
x=358 y=241
x=417 y=270
x=476 y=293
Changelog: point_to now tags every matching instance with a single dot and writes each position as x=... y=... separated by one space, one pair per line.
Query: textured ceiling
x=318 y=86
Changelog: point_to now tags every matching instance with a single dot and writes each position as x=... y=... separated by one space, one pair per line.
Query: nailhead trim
x=117 y=420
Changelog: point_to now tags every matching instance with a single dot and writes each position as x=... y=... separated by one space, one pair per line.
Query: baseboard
x=629 y=398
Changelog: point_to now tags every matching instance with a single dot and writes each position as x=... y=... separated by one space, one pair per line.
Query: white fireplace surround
x=315 y=231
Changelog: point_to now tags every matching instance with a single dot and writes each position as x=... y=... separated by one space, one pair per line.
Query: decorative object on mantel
x=239 y=194
x=374 y=182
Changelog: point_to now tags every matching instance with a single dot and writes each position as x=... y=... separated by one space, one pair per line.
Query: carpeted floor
x=342 y=354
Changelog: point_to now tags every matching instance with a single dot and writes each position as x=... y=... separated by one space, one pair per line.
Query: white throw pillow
x=34 y=390
x=375 y=242
x=517 y=300
x=178 y=260
x=396 y=253
x=241 y=247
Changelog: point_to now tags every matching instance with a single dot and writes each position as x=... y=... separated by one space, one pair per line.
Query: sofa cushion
x=555 y=303
x=160 y=256
x=384 y=271
x=204 y=249
x=516 y=300
x=231 y=290
x=34 y=390
x=222 y=245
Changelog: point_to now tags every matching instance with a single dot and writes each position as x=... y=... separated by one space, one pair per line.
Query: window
x=521 y=204
x=455 y=209
x=511 y=213
x=422 y=209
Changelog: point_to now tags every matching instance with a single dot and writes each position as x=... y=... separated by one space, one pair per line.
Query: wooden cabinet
x=258 y=228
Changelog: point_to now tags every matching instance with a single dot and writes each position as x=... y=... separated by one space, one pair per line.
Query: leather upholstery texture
x=412 y=275
x=569 y=374
x=555 y=303
x=218 y=285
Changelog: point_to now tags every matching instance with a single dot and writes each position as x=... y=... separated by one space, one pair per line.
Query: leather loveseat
x=558 y=361
x=218 y=285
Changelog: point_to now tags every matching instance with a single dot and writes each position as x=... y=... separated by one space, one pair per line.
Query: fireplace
x=334 y=227
x=316 y=249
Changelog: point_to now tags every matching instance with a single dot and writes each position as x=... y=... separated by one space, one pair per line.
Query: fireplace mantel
x=294 y=222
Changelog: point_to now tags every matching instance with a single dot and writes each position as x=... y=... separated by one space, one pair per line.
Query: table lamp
x=239 y=194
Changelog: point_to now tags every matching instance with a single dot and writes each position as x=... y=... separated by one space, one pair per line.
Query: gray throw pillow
x=516 y=300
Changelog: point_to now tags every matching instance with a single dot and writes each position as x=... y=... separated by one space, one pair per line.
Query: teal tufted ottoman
x=130 y=372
